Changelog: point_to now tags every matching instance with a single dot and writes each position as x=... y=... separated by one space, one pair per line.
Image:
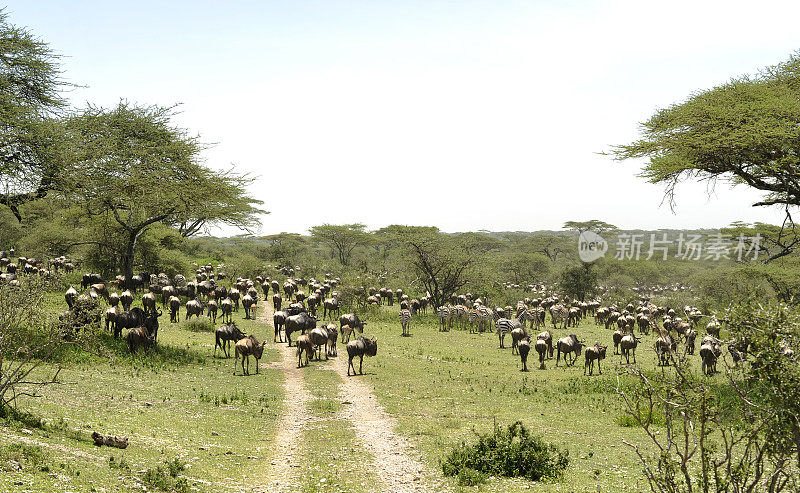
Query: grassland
x=181 y=406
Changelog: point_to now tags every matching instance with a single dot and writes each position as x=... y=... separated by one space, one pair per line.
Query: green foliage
x=511 y=453
x=199 y=324
x=341 y=239
x=244 y=265
x=579 y=282
x=165 y=477
x=743 y=131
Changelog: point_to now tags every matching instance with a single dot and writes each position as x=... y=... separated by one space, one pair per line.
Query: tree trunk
x=127 y=259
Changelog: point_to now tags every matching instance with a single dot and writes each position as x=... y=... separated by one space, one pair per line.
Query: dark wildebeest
x=126 y=300
x=319 y=338
x=278 y=321
x=333 y=334
x=524 y=347
x=710 y=350
x=627 y=345
x=329 y=306
x=111 y=318
x=304 y=345
x=174 y=309
x=212 y=307
x=567 y=345
x=70 y=296
x=547 y=337
x=194 y=307
x=224 y=335
x=246 y=347
x=248 y=302
x=541 y=348
x=616 y=337
x=277 y=301
x=351 y=320
x=129 y=319
x=301 y=322
x=89 y=279
x=138 y=337
x=360 y=347
x=235 y=296
x=592 y=353
x=517 y=335
x=226 y=307
x=664 y=346
x=149 y=302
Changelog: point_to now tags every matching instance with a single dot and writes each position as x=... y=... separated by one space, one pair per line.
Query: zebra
x=445 y=320
x=485 y=315
x=405 y=320
x=559 y=314
x=460 y=314
x=473 y=318
x=505 y=326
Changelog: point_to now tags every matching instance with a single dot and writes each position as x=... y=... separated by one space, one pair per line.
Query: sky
x=466 y=115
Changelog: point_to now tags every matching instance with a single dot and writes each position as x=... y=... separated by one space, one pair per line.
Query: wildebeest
x=616 y=337
x=351 y=320
x=111 y=318
x=138 y=337
x=247 y=303
x=129 y=319
x=524 y=347
x=333 y=334
x=517 y=335
x=541 y=348
x=149 y=302
x=329 y=306
x=126 y=300
x=89 y=279
x=304 y=345
x=360 y=347
x=278 y=321
x=224 y=335
x=319 y=338
x=592 y=353
x=567 y=345
x=174 y=309
x=709 y=352
x=627 y=346
x=212 y=307
x=194 y=307
x=664 y=346
x=301 y=322
x=70 y=296
x=246 y=347
x=547 y=337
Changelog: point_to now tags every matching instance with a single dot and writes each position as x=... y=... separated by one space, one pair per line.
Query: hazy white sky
x=466 y=115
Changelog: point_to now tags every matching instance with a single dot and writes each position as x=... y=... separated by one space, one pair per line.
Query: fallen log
x=109 y=441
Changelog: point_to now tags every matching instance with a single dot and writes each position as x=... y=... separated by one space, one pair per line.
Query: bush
x=511 y=453
x=200 y=324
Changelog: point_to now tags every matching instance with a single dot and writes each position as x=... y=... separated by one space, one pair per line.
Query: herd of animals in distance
x=310 y=308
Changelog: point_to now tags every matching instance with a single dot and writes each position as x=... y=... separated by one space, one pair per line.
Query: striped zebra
x=485 y=316
x=559 y=315
x=460 y=314
x=405 y=320
x=505 y=326
x=473 y=318
x=443 y=314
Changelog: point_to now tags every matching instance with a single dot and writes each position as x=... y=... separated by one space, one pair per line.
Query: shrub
x=511 y=453
x=200 y=324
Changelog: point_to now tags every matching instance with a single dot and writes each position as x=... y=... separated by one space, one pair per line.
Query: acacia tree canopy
x=132 y=165
x=746 y=131
x=342 y=239
x=30 y=85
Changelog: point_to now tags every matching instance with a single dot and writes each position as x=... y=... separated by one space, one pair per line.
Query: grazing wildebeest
x=301 y=322
x=355 y=323
x=246 y=347
x=111 y=318
x=567 y=345
x=360 y=347
x=547 y=337
x=194 y=307
x=319 y=338
x=541 y=348
x=524 y=347
x=517 y=335
x=664 y=346
x=616 y=337
x=212 y=310
x=113 y=299
x=224 y=335
x=70 y=296
x=329 y=306
x=592 y=353
x=226 y=307
x=129 y=319
x=149 y=302
x=126 y=300
x=174 y=309
x=138 y=337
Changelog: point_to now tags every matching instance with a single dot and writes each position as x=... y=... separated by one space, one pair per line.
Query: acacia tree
x=30 y=137
x=595 y=225
x=441 y=262
x=132 y=165
x=746 y=131
x=342 y=239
